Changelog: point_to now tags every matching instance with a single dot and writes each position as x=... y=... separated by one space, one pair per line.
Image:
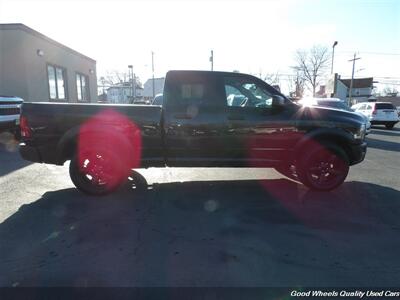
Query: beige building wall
x=24 y=56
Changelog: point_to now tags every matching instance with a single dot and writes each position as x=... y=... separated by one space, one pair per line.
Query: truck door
x=259 y=134
x=194 y=119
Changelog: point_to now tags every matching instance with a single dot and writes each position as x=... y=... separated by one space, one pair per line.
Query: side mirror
x=278 y=100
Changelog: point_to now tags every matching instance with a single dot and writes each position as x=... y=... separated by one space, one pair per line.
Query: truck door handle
x=235 y=117
x=182 y=116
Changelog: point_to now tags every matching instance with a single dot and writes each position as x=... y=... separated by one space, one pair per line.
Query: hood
x=329 y=115
x=10 y=100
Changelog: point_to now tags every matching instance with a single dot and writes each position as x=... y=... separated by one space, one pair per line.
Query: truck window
x=185 y=90
x=192 y=92
x=243 y=92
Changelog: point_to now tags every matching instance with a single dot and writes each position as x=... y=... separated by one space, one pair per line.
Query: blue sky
x=360 y=25
x=251 y=36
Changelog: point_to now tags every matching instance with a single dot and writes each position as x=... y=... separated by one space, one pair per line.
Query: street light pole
x=333 y=54
x=152 y=68
x=134 y=86
x=352 y=78
x=212 y=60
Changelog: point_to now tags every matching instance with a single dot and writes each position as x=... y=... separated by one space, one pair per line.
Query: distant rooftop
x=359 y=82
x=20 y=26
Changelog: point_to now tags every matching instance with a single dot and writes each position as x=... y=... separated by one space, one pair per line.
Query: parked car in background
x=158 y=100
x=334 y=103
x=379 y=113
x=10 y=109
x=142 y=101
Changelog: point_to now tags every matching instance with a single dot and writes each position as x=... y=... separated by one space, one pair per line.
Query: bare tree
x=390 y=91
x=114 y=77
x=271 y=78
x=296 y=85
x=312 y=64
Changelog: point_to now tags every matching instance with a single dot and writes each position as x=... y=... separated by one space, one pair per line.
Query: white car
x=378 y=113
x=335 y=103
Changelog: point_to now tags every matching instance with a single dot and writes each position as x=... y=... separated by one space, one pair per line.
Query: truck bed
x=51 y=121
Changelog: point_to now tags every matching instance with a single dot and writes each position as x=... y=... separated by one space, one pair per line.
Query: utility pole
x=352 y=78
x=212 y=60
x=152 y=68
x=130 y=67
x=134 y=87
x=333 y=54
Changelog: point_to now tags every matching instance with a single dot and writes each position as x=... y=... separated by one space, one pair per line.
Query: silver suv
x=378 y=113
x=10 y=109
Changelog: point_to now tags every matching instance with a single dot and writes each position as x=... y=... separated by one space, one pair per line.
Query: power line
x=371 y=53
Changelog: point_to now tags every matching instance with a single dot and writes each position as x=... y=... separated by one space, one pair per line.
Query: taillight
x=26 y=131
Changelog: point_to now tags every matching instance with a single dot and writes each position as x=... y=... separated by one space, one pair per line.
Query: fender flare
x=320 y=135
x=67 y=140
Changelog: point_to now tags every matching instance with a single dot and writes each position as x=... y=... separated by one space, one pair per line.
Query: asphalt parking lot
x=203 y=227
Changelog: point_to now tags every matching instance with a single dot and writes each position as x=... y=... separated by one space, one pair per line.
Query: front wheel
x=324 y=167
x=288 y=170
x=96 y=172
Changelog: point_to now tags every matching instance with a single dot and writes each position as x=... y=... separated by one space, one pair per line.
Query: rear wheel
x=389 y=125
x=324 y=167
x=96 y=172
x=137 y=182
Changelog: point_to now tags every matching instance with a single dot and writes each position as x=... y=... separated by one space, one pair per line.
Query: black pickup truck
x=207 y=119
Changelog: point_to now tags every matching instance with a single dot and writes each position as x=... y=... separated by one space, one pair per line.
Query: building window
x=82 y=87
x=57 y=82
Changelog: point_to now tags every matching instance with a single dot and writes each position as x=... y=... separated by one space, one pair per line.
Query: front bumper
x=358 y=153
x=380 y=122
x=9 y=124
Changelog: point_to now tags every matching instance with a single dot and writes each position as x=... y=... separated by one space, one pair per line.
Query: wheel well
x=327 y=139
x=66 y=151
x=127 y=148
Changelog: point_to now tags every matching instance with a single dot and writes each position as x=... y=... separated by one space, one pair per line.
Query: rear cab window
x=192 y=89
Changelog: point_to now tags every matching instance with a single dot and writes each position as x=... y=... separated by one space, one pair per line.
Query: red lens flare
x=109 y=146
x=322 y=166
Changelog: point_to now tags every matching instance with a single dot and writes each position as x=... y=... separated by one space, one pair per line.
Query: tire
x=287 y=170
x=97 y=172
x=389 y=125
x=324 y=167
x=137 y=182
